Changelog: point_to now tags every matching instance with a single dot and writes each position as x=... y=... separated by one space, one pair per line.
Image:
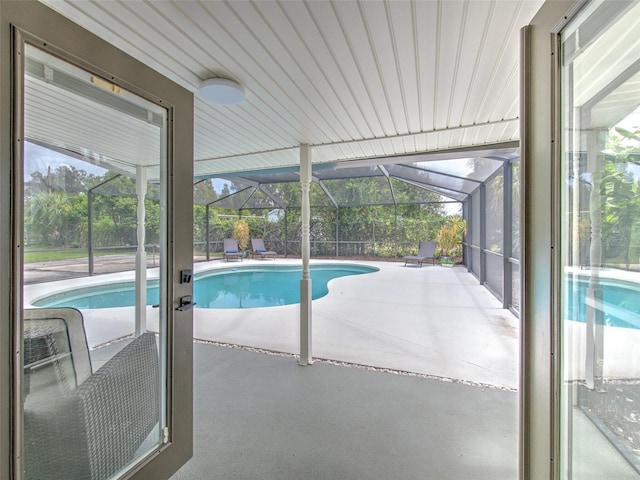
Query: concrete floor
x=264 y=417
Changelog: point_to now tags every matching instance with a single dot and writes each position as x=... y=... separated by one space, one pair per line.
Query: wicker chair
x=85 y=428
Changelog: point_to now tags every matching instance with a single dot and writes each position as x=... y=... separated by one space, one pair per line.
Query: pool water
x=265 y=286
x=620 y=303
x=100 y=296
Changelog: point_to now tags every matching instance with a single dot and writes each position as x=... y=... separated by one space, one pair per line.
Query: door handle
x=185 y=303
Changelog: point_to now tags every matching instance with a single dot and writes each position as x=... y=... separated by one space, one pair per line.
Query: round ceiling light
x=221 y=91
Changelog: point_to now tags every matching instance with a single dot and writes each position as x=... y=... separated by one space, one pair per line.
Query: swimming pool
x=236 y=287
x=620 y=304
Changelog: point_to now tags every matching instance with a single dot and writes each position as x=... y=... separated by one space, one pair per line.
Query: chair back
x=230 y=245
x=80 y=424
x=56 y=333
x=427 y=249
x=258 y=245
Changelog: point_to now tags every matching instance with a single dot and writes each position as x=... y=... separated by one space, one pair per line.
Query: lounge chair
x=231 y=250
x=259 y=250
x=427 y=251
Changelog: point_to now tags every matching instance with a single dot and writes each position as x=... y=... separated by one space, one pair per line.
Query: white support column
x=594 y=325
x=141 y=256
x=306 y=357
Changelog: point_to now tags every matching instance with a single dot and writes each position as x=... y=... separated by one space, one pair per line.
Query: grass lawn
x=34 y=256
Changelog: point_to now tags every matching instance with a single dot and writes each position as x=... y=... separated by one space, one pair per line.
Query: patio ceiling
x=355 y=80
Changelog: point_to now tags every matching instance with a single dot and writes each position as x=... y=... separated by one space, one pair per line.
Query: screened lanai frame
x=463 y=177
x=485 y=186
x=482 y=182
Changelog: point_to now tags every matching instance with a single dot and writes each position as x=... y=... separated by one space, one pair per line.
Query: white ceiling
x=354 y=79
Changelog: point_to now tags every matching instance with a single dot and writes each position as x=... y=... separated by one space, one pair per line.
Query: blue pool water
x=265 y=286
x=620 y=304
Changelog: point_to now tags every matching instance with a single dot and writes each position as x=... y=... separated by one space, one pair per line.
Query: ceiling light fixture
x=221 y=91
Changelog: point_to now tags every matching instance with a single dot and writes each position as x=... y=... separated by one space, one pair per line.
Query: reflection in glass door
x=94 y=396
x=600 y=205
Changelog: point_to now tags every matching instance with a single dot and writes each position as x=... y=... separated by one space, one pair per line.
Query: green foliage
x=56 y=210
x=56 y=219
x=241 y=233
x=200 y=223
x=620 y=196
x=446 y=260
x=48 y=255
x=450 y=236
x=203 y=193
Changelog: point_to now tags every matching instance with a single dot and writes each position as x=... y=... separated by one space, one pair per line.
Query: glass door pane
x=95 y=285
x=600 y=208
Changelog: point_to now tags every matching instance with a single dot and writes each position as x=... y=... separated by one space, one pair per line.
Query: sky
x=39 y=159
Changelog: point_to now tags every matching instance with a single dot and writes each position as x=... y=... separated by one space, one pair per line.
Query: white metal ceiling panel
x=383 y=61
x=404 y=38
x=472 y=35
x=55 y=116
x=329 y=17
x=452 y=19
x=339 y=75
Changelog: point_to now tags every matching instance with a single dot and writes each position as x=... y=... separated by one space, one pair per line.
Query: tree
x=204 y=193
x=620 y=193
x=450 y=237
x=56 y=219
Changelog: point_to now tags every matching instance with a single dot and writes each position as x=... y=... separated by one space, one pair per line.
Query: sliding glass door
x=600 y=221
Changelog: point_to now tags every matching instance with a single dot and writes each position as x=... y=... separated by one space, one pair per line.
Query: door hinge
x=165 y=435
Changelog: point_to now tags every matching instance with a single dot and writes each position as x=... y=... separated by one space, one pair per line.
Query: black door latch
x=185 y=303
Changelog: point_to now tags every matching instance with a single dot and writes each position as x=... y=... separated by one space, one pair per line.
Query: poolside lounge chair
x=259 y=249
x=231 y=249
x=427 y=251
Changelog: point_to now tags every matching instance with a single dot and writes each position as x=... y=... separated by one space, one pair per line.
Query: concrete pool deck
x=433 y=320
